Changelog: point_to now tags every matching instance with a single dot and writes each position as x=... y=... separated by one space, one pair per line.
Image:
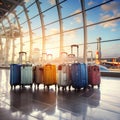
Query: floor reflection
x=38 y=103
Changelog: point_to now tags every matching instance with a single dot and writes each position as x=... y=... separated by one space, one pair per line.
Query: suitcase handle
x=49 y=56
x=71 y=55
x=75 y=46
x=91 y=52
x=63 y=53
x=21 y=55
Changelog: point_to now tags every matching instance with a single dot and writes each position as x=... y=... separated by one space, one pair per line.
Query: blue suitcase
x=15 y=75
x=79 y=75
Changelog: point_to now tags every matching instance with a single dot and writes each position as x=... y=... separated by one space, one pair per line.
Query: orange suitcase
x=49 y=75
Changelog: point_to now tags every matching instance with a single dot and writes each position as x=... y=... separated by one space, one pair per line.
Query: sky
x=107 y=31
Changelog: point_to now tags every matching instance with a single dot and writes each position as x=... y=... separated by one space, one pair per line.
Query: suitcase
x=26 y=70
x=15 y=75
x=64 y=76
x=63 y=72
x=49 y=75
x=94 y=75
x=38 y=75
x=26 y=75
x=79 y=75
x=79 y=72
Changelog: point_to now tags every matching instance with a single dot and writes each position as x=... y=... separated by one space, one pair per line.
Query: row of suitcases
x=77 y=75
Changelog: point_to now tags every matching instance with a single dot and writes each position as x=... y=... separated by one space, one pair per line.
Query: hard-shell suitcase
x=79 y=75
x=64 y=76
x=63 y=72
x=38 y=75
x=26 y=75
x=15 y=74
x=26 y=70
x=94 y=75
x=79 y=72
x=49 y=75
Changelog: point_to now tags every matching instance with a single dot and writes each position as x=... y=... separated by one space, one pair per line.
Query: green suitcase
x=26 y=75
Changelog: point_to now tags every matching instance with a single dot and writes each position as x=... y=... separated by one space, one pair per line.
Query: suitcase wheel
x=11 y=86
x=58 y=87
x=37 y=85
x=69 y=87
x=48 y=87
x=98 y=85
x=31 y=85
x=55 y=86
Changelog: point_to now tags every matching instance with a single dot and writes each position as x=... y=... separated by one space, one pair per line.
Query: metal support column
x=19 y=27
x=30 y=30
x=11 y=31
x=85 y=30
x=5 y=55
x=99 y=49
x=42 y=25
x=61 y=25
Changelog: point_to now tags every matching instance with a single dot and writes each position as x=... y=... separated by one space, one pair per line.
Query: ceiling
x=7 y=6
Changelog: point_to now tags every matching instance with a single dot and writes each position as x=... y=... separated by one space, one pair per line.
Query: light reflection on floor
x=32 y=103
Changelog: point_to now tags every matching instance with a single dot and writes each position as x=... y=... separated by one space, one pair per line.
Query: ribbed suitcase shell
x=38 y=74
x=79 y=75
x=49 y=76
x=15 y=74
x=64 y=75
x=26 y=74
x=94 y=75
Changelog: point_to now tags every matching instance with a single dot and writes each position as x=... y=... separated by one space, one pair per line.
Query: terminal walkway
x=39 y=104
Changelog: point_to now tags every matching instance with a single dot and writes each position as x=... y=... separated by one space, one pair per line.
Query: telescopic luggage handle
x=21 y=54
x=75 y=46
x=49 y=56
x=44 y=56
x=91 y=54
x=63 y=54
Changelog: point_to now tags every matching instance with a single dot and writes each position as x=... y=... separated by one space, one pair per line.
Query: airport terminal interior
x=49 y=49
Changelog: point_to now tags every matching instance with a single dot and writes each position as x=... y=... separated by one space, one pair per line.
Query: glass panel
x=26 y=38
x=70 y=7
x=50 y=16
x=33 y=10
x=45 y=4
x=52 y=45
x=92 y=3
x=29 y=2
x=19 y=9
x=52 y=29
x=73 y=22
x=35 y=23
x=24 y=28
x=37 y=51
x=105 y=12
x=73 y=37
x=37 y=33
x=22 y=18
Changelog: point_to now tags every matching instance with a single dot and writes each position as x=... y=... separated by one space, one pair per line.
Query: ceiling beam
x=3 y=9
x=13 y=1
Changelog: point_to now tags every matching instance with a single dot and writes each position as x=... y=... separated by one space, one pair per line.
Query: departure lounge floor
x=32 y=103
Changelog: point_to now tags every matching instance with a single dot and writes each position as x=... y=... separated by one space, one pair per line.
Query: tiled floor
x=32 y=104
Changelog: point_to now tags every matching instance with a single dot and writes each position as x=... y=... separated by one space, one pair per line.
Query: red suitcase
x=94 y=75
